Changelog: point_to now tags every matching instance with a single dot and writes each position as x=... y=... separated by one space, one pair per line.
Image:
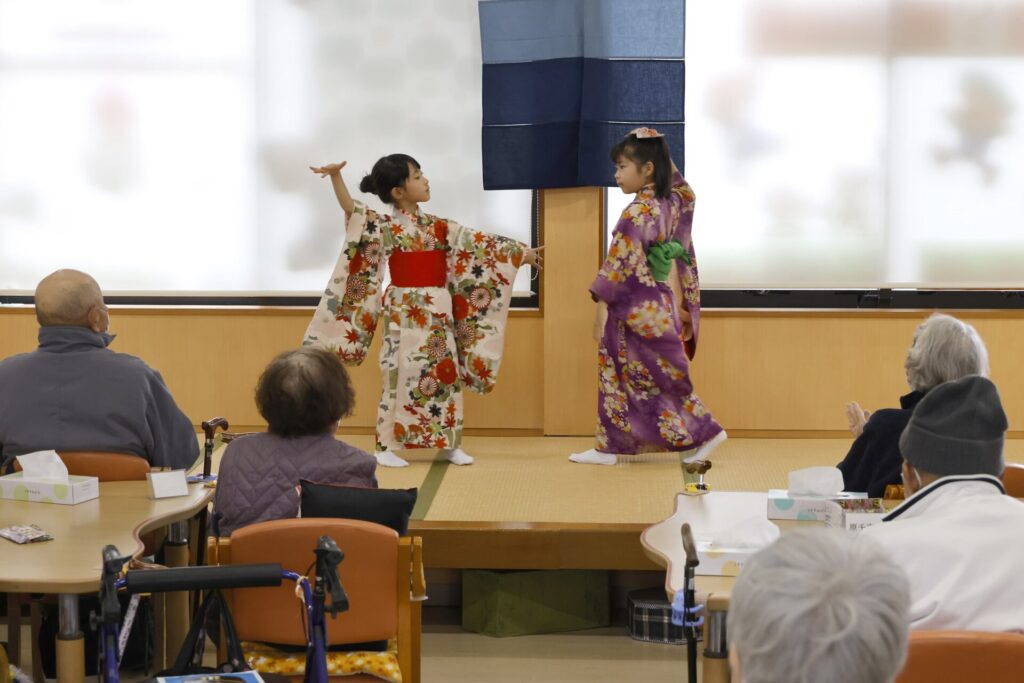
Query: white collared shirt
x=961 y=541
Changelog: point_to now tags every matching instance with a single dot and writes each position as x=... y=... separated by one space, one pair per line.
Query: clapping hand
x=857 y=417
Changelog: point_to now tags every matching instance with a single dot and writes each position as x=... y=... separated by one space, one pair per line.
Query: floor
x=451 y=655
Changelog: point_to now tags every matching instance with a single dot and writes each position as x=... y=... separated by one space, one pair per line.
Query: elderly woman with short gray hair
x=819 y=605
x=943 y=349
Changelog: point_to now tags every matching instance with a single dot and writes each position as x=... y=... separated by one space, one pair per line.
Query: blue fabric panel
x=528 y=30
x=532 y=92
x=633 y=90
x=597 y=139
x=634 y=28
x=530 y=157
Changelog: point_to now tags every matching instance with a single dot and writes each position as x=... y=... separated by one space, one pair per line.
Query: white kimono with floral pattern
x=436 y=339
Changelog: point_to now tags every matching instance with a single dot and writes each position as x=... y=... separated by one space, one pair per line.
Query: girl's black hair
x=642 y=150
x=388 y=173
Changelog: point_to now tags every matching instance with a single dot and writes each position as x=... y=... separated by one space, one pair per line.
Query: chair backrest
x=1013 y=480
x=104 y=466
x=963 y=656
x=369 y=574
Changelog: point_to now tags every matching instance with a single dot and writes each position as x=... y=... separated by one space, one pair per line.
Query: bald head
x=69 y=297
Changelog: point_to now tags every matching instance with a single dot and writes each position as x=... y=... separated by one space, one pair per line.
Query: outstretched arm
x=340 y=190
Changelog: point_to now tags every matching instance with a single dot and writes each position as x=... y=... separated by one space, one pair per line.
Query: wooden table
x=663 y=543
x=70 y=564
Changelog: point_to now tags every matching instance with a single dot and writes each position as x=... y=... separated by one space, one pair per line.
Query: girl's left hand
x=533 y=257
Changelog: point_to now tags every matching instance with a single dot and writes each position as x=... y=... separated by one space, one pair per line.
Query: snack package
x=25 y=534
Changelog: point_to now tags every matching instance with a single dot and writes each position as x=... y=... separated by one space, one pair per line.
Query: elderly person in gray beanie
x=943 y=349
x=959 y=537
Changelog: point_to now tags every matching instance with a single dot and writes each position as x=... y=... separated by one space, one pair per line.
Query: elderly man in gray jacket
x=73 y=393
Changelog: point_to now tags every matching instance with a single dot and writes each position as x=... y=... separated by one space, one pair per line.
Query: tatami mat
x=409 y=477
x=531 y=479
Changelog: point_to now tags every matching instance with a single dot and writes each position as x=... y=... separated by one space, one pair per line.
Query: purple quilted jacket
x=259 y=475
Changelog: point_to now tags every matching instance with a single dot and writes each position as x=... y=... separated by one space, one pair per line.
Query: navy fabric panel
x=530 y=157
x=634 y=28
x=530 y=30
x=597 y=139
x=633 y=90
x=532 y=92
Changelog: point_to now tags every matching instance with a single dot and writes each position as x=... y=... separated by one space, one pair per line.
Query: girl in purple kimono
x=648 y=299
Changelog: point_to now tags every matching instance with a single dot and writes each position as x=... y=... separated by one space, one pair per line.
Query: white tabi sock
x=457 y=456
x=594 y=457
x=703 y=451
x=389 y=459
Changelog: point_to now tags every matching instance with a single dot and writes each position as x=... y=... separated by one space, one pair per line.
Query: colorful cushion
x=384 y=665
x=390 y=507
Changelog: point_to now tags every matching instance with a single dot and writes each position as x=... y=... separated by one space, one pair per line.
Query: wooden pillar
x=573 y=221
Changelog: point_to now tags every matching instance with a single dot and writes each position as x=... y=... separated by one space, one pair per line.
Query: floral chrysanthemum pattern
x=436 y=340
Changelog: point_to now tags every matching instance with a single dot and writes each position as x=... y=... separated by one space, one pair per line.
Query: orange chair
x=963 y=656
x=381 y=573
x=1013 y=480
x=106 y=467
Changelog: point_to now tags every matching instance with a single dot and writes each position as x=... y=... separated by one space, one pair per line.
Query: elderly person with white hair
x=943 y=349
x=73 y=393
x=819 y=605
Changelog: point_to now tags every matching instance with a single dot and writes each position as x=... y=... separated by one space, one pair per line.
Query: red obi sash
x=418 y=268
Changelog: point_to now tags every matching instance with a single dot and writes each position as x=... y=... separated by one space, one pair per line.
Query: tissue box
x=805 y=508
x=721 y=561
x=76 y=490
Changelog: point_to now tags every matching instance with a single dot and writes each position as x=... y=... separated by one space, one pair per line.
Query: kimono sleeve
x=346 y=317
x=626 y=262
x=689 y=278
x=481 y=270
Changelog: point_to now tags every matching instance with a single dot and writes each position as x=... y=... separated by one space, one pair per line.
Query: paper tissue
x=810 y=490
x=725 y=551
x=44 y=479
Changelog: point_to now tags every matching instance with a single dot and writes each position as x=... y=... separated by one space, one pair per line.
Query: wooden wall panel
x=212 y=358
x=763 y=371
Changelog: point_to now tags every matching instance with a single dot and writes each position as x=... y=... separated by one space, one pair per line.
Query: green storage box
x=519 y=603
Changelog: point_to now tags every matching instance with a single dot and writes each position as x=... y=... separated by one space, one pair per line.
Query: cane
x=685 y=607
x=209 y=430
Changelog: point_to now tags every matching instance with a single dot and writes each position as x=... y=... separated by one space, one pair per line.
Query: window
x=862 y=143
x=164 y=148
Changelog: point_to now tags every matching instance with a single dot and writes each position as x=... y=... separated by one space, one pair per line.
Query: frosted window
x=855 y=144
x=163 y=147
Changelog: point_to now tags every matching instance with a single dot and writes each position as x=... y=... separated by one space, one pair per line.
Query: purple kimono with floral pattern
x=646 y=401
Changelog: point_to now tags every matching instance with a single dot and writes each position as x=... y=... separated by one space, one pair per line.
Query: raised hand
x=329 y=169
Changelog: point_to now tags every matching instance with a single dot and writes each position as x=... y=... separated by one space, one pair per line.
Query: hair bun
x=367 y=184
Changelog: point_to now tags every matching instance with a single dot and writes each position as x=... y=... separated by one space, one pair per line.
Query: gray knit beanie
x=957 y=428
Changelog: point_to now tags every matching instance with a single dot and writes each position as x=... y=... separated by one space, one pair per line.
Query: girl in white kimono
x=444 y=313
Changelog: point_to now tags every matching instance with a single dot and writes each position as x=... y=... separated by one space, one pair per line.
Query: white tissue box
x=805 y=508
x=721 y=561
x=76 y=490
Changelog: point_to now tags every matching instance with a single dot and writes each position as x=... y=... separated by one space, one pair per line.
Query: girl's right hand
x=329 y=169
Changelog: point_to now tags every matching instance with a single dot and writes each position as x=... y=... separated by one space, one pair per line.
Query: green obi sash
x=660 y=256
